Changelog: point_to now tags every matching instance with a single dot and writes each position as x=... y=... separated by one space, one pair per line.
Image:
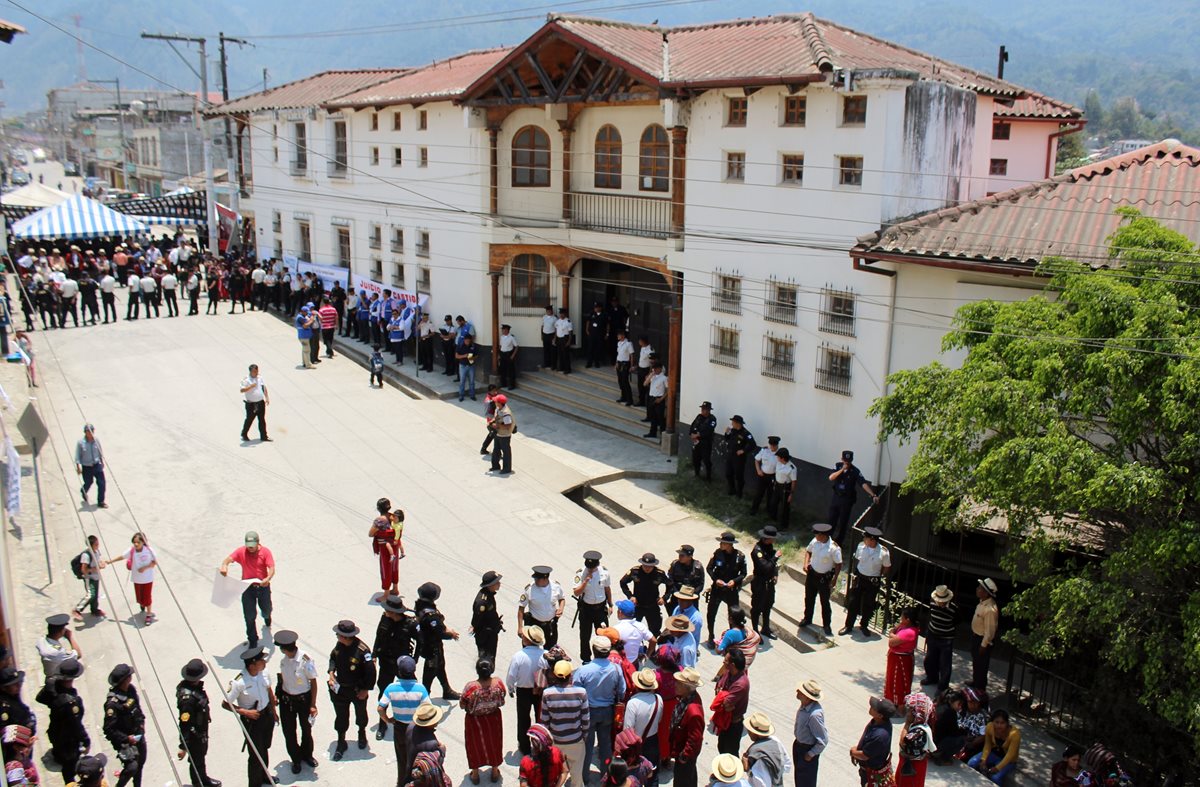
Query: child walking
x=377 y=364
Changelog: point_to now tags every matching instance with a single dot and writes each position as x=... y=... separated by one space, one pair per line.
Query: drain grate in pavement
x=602 y=507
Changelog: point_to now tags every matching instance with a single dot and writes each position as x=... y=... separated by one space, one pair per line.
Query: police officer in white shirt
x=624 y=360
x=58 y=645
x=258 y=278
x=548 y=332
x=254 y=392
x=541 y=605
x=69 y=290
x=822 y=563
x=508 y=358
x=250 y=696
x=593 y=594
x=297 y=697
x=764 y=468
x=149 y=294
x=270 y=289
x=643 y=367
x=562 y=340
x=108 y=297
x=656 y=389
x=872 y=561
x=786 y=476
x=169 y=285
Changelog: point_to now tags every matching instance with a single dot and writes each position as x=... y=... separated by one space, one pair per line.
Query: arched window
x=531 y=157
x=608 y=158
x=530 y=281
x=655 y=160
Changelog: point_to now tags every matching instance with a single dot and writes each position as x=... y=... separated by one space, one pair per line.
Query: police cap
x=286 y=638
x=253 y=654
x=592 y=554
x=58 y=621
x=119 y=673
x=197 y=669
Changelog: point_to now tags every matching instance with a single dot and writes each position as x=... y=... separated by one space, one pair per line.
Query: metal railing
x=337 y=168
x=780 y=311
x=299 y=168
x=627 y=214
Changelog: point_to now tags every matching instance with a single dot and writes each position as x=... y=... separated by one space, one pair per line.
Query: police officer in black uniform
x=727 y=567
x=351 y=678
x=12 y=709
x=846 y=480
x=432 y=633
x=703 y=427
x=486 y=622
x=684 y=570
x=125 y=724
x=765 y=558
x=194 y=718
x=741 y=448
x=393 y=638
x=595 y=329
x=593 y=595
x=68 y=736
x=645 y=580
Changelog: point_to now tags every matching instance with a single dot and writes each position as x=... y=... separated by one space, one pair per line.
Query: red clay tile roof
x=307 y=93
x=1037 y=106
x=1070 y=215
x=443 y=79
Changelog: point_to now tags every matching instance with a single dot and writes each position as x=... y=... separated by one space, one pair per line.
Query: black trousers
x=764 y=488
x=524 y=717
x=623 y=382
x=548 y=627
x=214 y=298
x=254 y=598
x=314 y=346
x=939 y=661
x=730 y=741
x=783 y=518
x=109 y=301
x=641 y=378
x=805 y=770
x=255 y=410
x=260 y=297
x=194 y=301
x=685 y=774
x=196 y=747
x=67 y=755
x=293 y=713
x=171 y=302
x=762 y=600
x=448 y=356
x=860 y=599
x=563 y=343
x=595 y=351
x=591 y=618
x=715 y=598
x=150 y=301
x=702 y=455
x=400 y=744
x=735 y=474
x=435 y=669
x=502 y=454
x=817 y=584
x=840 y=507
x=261 y=732
x=69 y=306
x=487 y=642
x=134 y=764
x=327 y=338
x=341 y=714
x=548 y=353
x=91 y=310
x=658 y=415
x=981 y=660
x=425 y=354
x=94 y=473
x=651 y=615
x=508 y=369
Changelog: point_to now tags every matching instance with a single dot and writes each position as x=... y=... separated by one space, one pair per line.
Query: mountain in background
x=1063 y=49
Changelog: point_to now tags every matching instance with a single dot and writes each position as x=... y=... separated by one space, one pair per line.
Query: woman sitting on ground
x=1001 y=748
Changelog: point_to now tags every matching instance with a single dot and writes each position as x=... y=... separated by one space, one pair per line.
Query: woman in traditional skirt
x=481 y=699
x=385 y=544
x=901 y=644
x=916 y=741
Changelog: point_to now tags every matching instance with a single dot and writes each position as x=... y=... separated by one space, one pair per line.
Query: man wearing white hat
x=727 y=769
x=521 y=679
x=643 y=714
x=765 y=760
x=939 y=638
x=811 y=734
x=983 y=631
x=687 y=726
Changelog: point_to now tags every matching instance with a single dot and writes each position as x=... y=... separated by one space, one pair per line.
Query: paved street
x=163 y=396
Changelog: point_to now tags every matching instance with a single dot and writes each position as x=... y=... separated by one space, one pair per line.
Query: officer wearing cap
x=296 y=693
x=194 y=716
x=67 y=733
x=394 y=637
x=508 y=358
x=703 y=427
x=432 y=633
x=822 y=563
x=641 y=584
x=786 y=476
x=12 y=709
x=486 y=622
x=58 y=645
x=541 y=604
x=593 y=595
x=872 y=561
x=741 y=448
x=351 y=678
x=684 y=570
x=846 y=480
x=727 y=567
x=765 y=558
x=251 y=698
x=89 y=772
x=764 y=469
x=125 y=724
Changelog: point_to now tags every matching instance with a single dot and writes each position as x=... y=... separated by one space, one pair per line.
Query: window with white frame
x=423 y=243
x=735 y=166
x=793 y=169
x=343 y=250
x=377 y=268
x=374 y=121
x=424 y=278
x=424 y=158
x=837 y=311
x=375 y=238
x=397 y=156
x=304 y=240
x=397 y=119
x=276 y=221
x=779 y=358
x=397 y=240
x=398 y=274
x=339 y=161
x=833 y=369
x=724 y=345
x=277 y=250
x=727 y=292
x=782 y=299
x=374 y=155
x=300 y=157
x=850 y=171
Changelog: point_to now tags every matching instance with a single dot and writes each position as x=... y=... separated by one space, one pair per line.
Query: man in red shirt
x=329 y=320
x=687 y=726
x=258 y=564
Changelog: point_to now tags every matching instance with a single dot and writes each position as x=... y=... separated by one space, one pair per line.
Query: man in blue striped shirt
x=403 y=696
x=565 y=713
x=604 y=683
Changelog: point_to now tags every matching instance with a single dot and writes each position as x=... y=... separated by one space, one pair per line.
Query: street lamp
x=121 y=125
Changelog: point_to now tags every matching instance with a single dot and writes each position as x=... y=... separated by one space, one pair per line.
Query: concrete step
x=586 y=391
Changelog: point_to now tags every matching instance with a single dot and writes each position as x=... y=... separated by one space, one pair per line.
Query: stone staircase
x=586 y=395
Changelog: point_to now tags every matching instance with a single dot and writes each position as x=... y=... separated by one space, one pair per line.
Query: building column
x=565 y=278
x=566 y=130
x=678 y=178
x=675 y=346
x=495 y=276
x=494 y=150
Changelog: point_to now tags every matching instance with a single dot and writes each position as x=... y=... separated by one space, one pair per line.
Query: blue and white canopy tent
x=82 y=217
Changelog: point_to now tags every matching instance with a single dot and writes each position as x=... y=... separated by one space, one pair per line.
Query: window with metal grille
x=374 y=121
x=304 y=240
x=723 y=346
x=608 y=158
x=377 y=269
x=276 y=221
x=398 y=275
x=795 y=110
x=396 y=121
x=998 y=166
x=423 y=243
x=529 y=282
x=422 y=120
x=397 y=240
x=850 y=170
x=854 y=110
x=531 y=158
x=781 y=302
x=341 y=160
x=374 y=155
x=833 y=369
x=343 y=246
x=837 y=311
x=424 y=157
x=423 y=278
x=654 y=159
x=727 y=293
x=735 y=166
x=793 y=168
x=375 y=239
x=397 y=156
x=1001 y=130
x=737 y=109
x=300 y=161
x=779 y=358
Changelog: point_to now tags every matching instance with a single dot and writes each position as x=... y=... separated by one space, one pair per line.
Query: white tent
x=35 y=195
x=77 y=217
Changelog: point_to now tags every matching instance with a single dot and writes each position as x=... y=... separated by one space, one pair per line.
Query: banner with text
x=328 y=274
x=363 y=284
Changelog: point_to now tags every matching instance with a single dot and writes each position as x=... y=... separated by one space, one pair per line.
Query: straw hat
x=688 y=676
x=645 y=680
x=679 y=624
x=428 y=715
x=727 y=768
x=810 y=689
x=759 y=724
x=941 y=594
x=535 y=635
x=989 y=585
x=686 y=593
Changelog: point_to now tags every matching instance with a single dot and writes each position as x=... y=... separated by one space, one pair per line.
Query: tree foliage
x=1076 y=415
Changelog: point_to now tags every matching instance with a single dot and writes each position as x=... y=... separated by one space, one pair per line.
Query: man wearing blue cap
x=314 y=337
x=304 y=332
x=635 y=636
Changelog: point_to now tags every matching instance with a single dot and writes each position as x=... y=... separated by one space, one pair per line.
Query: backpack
x=77 y=566
x=376 y=364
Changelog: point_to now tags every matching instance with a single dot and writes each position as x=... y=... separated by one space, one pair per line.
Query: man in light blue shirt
x=402 y=697
x=89 y=463
x=679 y=629
x=605 y=686
x=686 y=598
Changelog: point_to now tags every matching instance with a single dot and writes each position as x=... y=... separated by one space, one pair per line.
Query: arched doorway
x=644 y=293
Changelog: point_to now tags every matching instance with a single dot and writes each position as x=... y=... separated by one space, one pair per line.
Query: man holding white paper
x=257 y=564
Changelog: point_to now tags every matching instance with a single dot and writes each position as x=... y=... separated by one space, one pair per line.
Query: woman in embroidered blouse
x=385 y=542
x=901 y=644
x=484 y=727
x=916 y=741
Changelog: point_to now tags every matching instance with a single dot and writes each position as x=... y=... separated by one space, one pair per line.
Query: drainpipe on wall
x=1068 y=129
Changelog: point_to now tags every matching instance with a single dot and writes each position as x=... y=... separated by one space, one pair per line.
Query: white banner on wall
x=328 y=274
x=362 y=283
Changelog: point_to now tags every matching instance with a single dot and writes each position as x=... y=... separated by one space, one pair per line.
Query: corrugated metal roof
x=1035 y=105
x=439 y=80
x=307 y=93
x=1069 y=216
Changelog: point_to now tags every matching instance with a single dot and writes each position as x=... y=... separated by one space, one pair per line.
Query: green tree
x=1125 y=120
x=1072 y=152
x=1074 y=415
x=1093 y=110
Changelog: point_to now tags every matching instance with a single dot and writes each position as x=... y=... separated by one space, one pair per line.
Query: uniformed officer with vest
x=68 y=736
x=741 y=448
x=541 y=604
x=394 y=637
x=727 y=568
x=764 y=468
x=684 y=570
x=872 y=561
x=703 y=427
x=593 y=594
x=822 y=563
x=642 y=584
x=296 y=695
x=432 y=633
x=351 y=678
x=125 y=724
x=194 y=718
x=846 y=479
x=765 y=560
x=486 y=622
x=251 y=698
x=12 y=709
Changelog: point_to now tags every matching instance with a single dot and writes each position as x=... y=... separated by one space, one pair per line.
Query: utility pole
x=1002 y=61
x=210 y=196
x=235 y=161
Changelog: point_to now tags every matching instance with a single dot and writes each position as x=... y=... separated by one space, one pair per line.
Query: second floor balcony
x=648 y=217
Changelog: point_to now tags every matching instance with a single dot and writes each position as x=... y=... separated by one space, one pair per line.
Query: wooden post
x=493 y=145
x=566 y=129
x=675 y=342
x=495 y=275
x=678 y=178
